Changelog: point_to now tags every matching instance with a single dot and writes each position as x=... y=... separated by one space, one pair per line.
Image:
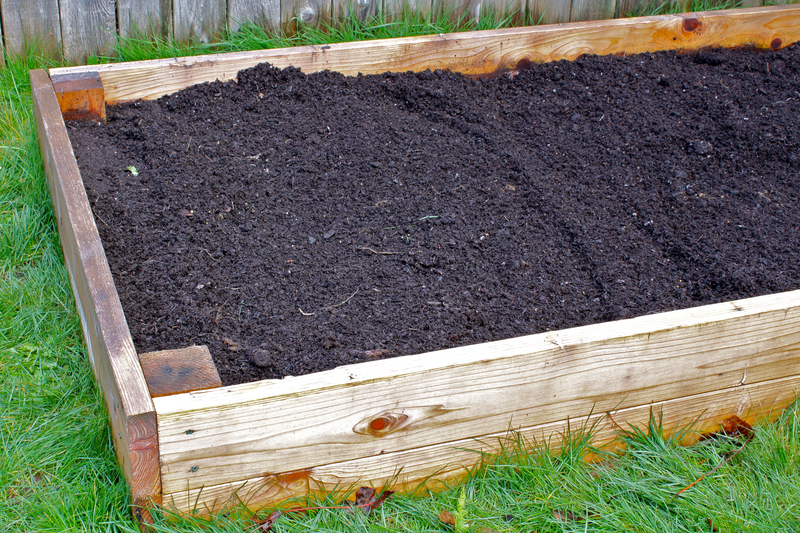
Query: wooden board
x=592 y=10
x=88 y=28
x=472 y=53
x=28 y=22
x=380 y=407
x=182 y=370
x=433 y=466
x=309 y=12
x=109 y=343
x=139 y=18
x=548 y=11
x=198 y=19
x=394 y=9
x=263 y=13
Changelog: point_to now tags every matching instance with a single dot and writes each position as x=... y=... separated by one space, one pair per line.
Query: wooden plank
x=110 y=347
x=144 y=18
x=549 y=11
x=308 y=12
x=182 y=370
x=360 y=10
x=592 y=10
x=393 y=405
x=432 y=466
x=31 y=22
x=81 y=97
x=88 y=28
x=394 y=9
x=470 y=53
x=264 y=13
x=198 y=19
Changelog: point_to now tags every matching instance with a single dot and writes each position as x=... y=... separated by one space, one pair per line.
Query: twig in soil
x=330 y=306
x=209 y=254
x=377 y=252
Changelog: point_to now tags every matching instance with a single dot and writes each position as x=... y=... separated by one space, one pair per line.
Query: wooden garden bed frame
x=421 y=419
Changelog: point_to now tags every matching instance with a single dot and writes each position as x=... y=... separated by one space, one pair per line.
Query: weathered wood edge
x=179 y=370
x=234 y=433
x=471 y=53
x=109 y=343
x=433 y=467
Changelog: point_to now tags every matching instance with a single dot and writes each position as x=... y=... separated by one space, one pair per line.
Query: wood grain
x=110 y=348
x=305 y=12
x=592 y=10
x=548 y=11
x=360 y=10
x=432 y=466
x=181 y=370
x=394 y=9
x=88 y=28
x=139 y=18
x=242 y=431
x=198 y=19
x=263 y=13
x=470 y=53
x=26 y=22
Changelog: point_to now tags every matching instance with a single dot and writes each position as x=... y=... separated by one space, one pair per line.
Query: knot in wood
x=307 y=14
x=692 y=24
x=381 y=424
x=776 y=43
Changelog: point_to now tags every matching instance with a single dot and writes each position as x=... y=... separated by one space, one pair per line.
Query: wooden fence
x=77 y=29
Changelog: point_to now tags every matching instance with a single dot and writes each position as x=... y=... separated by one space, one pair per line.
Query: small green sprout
x=132 y=170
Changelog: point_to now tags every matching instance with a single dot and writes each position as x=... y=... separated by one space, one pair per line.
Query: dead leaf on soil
x=567 y=516
x=232 y=345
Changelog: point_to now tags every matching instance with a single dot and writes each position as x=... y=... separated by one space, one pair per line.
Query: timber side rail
x=193 y=445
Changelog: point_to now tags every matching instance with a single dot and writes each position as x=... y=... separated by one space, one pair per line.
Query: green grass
x=58 y=471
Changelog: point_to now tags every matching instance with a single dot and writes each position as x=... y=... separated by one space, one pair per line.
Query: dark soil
x=297 y=223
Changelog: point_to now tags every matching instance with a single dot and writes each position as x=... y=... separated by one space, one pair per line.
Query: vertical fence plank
x=304 y=12
x=395 y=9
x=198 y=19
x=592 y=10
x=264 y=13
x=88 y=28
x=360 y=10
x=144 y=17
x=31 y=22
x=548 y=11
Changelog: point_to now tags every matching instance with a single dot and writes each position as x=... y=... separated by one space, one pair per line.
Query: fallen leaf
x=447 y=518
x=233 y=346
x=375 y=354
x=733 y=426
x=266 y=526
x=711 y=525
x=366 y=500
x=488 y=530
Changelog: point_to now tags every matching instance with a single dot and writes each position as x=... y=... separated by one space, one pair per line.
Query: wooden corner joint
x=81 y=96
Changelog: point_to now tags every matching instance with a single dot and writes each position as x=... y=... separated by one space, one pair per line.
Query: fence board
x=264 y=13
x=548 y=11
x=148 y=17
x=31 y=22
x=394 y=9
x=308 y=12
x=200 y=19
x=592 y=10
x=88 y=28
x=361 y=10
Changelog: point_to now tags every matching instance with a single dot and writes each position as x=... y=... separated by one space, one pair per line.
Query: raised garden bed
x=411 y=419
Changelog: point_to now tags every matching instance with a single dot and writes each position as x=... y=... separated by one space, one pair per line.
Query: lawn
x=57 y=467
